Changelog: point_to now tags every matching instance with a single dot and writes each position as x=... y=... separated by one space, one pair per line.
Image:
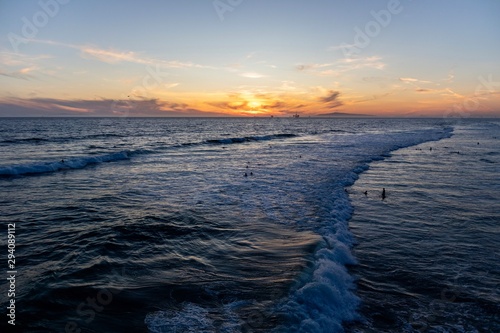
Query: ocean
x=250 y=225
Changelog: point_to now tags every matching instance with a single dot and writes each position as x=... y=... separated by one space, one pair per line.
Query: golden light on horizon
x=254 y=105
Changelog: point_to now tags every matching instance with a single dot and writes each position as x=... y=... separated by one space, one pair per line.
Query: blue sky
x=249 y=57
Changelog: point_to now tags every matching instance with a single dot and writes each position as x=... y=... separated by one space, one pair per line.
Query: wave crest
x=73 y=163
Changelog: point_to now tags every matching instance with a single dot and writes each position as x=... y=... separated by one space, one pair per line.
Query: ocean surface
x=252 y=225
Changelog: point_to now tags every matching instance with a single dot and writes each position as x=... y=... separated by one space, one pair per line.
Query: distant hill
x=342 y=115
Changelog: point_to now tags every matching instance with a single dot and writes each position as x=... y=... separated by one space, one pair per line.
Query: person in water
x=383 y=193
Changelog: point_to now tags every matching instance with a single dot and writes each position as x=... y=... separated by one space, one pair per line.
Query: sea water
x=429 y=252
x=220 y=225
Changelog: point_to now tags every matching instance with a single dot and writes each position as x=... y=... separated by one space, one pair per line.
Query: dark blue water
x=429 y=252
x=150 y=225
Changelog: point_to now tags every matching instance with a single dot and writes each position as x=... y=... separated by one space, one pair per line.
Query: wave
x=250 y=139
x=24 y=140
x=60 y=139
x=326 y=299
x=112 y=135
x=73 y=163
x=323 y=297
x=79 y=163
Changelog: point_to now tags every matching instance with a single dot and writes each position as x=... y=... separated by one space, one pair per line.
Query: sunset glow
x=249 y=58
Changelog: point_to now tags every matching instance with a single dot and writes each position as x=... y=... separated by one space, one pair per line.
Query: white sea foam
x=72 y=163
x=323 y=297
x=193 y=318
x=327 y=298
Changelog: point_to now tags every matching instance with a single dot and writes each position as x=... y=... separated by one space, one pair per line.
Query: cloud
x=20 y=60
x=171 y=85
x=451 y=76
x=329 y=72
x=111 y=56
x=41 y=106
x=20 y=66
x=255 y=103
x=14 y=107
x=115 y=56
x=341 y=66
x=175 y=106
x=332 y=99
x=252 y=75
x=288 y=85
x=305 y=67
x=449 y=92
x=413 y=80
x=408 y=79
x=20 y=74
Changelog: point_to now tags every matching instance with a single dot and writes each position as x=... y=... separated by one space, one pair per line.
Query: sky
x=394 y=58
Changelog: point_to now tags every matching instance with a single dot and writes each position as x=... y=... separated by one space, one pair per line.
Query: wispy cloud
x=374 y=62
x=22 y=74
x=408 y=79
x=451 y=76
x=112 y=56
x=20 y=60
x=449 y=92
x=342 y=47
x=421 y=86
x=21 y=66
x=115 y=56
x=413 y=80
x=252 y=75
x=306 y=67
x=332 y=99
x=341 y=66
x=288 y=85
